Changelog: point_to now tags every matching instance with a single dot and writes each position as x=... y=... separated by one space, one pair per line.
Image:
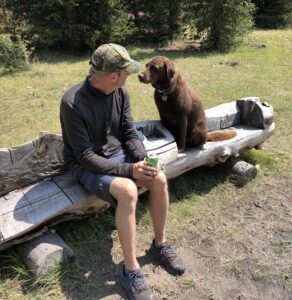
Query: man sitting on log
x=106 y=156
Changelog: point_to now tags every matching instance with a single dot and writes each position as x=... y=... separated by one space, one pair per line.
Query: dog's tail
x=221 y=135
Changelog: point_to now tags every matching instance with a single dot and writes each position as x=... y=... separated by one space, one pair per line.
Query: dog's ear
x=169 y=70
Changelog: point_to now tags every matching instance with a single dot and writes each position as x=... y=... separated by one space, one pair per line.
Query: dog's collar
x=164 y=93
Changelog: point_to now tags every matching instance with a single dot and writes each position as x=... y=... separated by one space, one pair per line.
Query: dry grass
x=237 y=242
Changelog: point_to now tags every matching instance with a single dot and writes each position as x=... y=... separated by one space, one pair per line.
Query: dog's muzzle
x=142 y=78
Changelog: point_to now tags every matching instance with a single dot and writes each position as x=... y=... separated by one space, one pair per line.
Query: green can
x=152 y=160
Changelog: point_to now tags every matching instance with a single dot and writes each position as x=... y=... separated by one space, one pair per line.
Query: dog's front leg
x=183 y=124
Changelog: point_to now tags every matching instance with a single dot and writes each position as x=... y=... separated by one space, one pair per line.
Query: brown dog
x=179 y=106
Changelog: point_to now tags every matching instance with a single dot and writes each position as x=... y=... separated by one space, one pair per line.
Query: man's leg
x=125 y=192
x=132 y=279
x=159 y=202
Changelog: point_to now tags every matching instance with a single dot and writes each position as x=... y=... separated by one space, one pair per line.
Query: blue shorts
x=99 y=184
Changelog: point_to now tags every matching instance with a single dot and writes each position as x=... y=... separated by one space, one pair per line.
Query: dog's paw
x=181 y=150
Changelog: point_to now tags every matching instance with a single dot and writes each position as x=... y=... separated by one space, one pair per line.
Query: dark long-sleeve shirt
x=96 y=125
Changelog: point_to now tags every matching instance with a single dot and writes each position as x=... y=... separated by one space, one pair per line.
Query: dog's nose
x=141 y=77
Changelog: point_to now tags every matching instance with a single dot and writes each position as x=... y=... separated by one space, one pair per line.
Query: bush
x=14 y=53
x=74 y=24
x=273 y=14
x=155 y=20
x=221 y=24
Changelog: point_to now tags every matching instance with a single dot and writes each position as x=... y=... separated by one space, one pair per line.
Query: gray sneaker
x=167 y=257
x=135 y=285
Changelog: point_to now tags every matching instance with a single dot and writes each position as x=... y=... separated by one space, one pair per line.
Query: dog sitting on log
x=179 y=106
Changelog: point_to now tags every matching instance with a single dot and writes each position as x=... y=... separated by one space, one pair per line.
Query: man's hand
x=143 y=172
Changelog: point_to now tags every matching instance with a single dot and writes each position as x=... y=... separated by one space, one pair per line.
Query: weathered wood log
x=248 y=111
x=223 y=116
x=42 y=253
x=27 y=212
x=51 y=201
x=213 y=153
x=60 y=198
x=241 y=170
x=41 y=158
x=254 y=113
x=25 y=164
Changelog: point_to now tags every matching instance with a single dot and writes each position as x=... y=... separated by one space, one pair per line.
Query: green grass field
x=241 y=236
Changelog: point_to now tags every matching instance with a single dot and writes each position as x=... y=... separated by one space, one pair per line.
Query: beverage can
x=152 y=160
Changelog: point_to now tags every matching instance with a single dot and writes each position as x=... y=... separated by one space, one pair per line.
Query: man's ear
x=113 y=76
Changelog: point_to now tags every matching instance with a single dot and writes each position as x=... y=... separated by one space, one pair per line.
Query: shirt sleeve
x=130 y=137
x=82 y=147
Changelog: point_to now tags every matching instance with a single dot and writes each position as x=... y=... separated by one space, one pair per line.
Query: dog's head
x=159 y=71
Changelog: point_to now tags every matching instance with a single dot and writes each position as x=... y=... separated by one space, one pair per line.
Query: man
x=105 y=154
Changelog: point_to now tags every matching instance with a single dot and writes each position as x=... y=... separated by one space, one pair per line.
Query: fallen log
x=37 y=191
x=218 y=152
x=32 y=162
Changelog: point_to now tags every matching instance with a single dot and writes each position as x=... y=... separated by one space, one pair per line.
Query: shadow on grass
x=12 y=72
x=94 y=274
x=140 y=55
x=198 y=181
x=172 y=54
x=55 y=57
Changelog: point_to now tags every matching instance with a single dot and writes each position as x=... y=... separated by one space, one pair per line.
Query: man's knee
x=161 y=178
x=159 y=183
x=124 y=190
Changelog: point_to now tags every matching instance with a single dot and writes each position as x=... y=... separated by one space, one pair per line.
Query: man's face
x=121 y=78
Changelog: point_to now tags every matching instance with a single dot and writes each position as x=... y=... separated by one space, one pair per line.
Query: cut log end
x=42 y=253
x=241 y=171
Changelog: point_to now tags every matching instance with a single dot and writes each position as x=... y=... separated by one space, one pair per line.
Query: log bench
x=37 y=192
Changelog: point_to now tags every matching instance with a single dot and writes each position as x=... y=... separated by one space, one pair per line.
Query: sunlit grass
x=29 y=103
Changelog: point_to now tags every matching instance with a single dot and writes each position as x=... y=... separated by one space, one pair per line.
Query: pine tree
x=73 y=24
x=221 y=24
x=273 y=13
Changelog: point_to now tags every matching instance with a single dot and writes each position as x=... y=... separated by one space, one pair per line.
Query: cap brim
x=133 y=67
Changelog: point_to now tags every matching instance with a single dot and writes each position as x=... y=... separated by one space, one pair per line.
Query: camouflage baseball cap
x=113 y=58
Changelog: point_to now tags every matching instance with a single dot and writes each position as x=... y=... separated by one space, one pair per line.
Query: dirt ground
x=237 y=248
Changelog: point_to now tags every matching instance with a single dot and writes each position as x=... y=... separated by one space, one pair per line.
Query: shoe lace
x=138 y=282
x=167 y=253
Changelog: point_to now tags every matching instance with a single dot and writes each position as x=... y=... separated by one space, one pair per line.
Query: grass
x=207 y=212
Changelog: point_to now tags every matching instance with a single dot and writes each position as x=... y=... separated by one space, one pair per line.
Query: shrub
x=14 y=53
x=221 y=24
x=74 y=24
x=273 y=14
x=155 y=20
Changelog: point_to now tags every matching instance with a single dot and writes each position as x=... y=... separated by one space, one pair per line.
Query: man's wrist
x=126 y=170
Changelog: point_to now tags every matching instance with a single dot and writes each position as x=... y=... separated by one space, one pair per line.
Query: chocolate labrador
x=179 y=106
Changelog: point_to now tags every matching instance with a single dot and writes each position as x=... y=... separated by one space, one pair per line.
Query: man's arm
x=82 y=146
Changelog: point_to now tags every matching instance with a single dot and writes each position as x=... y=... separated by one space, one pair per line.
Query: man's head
x=112 y=58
